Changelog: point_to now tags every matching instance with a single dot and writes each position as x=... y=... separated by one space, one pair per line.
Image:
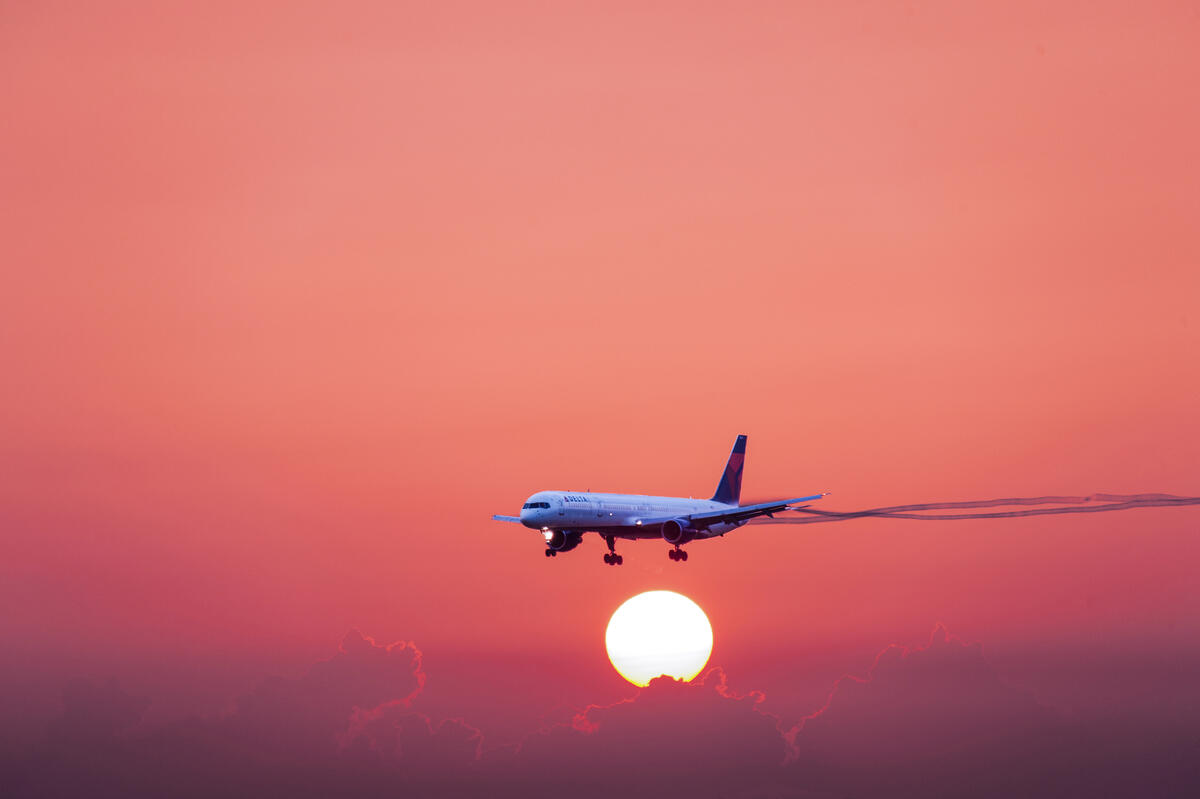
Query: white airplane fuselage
x=618 y=515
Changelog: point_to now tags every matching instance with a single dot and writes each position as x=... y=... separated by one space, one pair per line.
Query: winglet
x=729 y=490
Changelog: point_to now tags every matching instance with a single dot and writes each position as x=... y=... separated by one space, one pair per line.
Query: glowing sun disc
x=657 y=633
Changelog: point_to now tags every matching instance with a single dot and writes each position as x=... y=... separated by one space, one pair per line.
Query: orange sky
x=297 y=295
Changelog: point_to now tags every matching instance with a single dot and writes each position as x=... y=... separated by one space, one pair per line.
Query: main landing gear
x=676 y=554
x=611 y=557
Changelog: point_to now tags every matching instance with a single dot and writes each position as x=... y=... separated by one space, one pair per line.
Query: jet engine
x=677 y=532
x=562 y=540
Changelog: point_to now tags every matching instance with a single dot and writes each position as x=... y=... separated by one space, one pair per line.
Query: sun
x=657 y=633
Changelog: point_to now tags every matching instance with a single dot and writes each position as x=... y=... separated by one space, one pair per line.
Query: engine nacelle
x=677 y=532
x=562 y=540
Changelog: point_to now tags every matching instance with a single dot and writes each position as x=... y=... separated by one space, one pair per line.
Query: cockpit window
x=530 y=505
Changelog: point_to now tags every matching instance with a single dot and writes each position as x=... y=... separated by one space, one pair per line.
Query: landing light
x=638 y=522
x=547 y=534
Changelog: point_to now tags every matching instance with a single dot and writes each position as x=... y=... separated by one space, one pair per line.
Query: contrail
x=1096 y=503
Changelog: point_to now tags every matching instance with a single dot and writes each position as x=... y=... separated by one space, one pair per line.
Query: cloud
x=923 y=720
x=929 y=720
x=392 y=734
x=937 y=720
x=309 y=714
x=307 y=736
x=679 y=737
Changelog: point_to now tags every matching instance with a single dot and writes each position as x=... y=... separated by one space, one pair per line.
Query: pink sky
x=298 y=295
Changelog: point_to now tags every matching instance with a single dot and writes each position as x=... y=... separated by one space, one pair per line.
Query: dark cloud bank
x=933 y=720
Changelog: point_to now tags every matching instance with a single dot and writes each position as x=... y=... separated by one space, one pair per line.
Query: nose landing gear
x=676 y=554
x=611 y=557
x=550 y=553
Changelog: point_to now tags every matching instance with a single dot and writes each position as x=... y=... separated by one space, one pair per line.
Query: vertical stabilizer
x=729 y=490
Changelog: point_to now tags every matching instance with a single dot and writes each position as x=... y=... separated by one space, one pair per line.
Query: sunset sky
x=297 y=295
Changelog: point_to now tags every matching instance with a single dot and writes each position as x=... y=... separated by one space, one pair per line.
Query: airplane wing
x=738 y=514
x=496 y=517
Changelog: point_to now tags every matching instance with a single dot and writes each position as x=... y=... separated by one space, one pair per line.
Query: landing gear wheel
x=612 y=558
x=672 y=554
x=550 y=553
x=682 y=555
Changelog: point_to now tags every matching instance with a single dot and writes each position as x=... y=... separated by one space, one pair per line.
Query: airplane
x=564 y=516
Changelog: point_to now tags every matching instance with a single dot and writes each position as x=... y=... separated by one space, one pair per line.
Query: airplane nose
x=534 y=513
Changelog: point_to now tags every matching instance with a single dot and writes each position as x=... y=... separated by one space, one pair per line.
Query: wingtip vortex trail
x=1093 y=503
